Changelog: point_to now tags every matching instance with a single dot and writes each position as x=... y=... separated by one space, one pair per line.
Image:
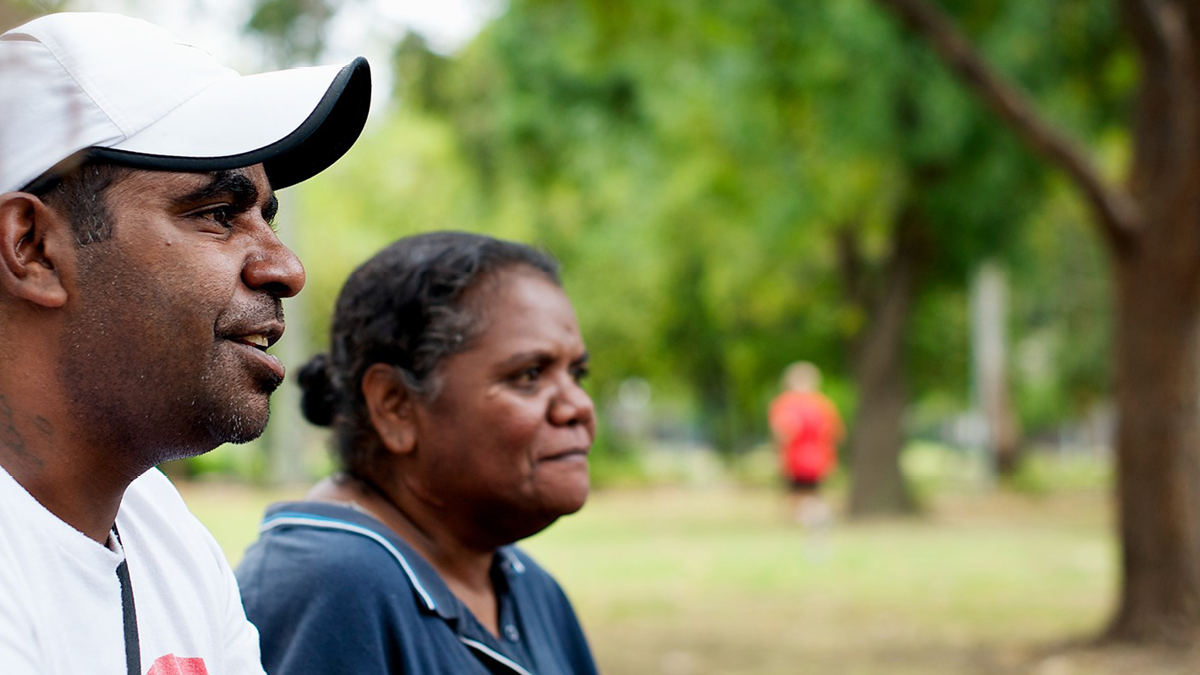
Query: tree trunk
x=1153 y=234
x=1156 y=359
x=989 y=359
x=877 y=435
x=1158 y=466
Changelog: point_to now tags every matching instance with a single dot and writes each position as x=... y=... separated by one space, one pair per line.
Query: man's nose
x=274 y=268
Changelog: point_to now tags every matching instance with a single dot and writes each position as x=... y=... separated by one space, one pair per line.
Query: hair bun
x=317 y=400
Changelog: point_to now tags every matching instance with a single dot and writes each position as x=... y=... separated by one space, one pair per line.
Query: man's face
x=164 y=351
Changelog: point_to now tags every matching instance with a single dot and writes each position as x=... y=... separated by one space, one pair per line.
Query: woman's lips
x=574 y=454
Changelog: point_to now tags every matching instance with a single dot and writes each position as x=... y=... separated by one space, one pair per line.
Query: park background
x=732 y=186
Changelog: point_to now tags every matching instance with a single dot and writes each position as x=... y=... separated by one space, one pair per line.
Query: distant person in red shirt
x=807 y=429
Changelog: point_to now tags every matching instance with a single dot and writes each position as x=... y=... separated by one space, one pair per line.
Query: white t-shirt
x=60 y=600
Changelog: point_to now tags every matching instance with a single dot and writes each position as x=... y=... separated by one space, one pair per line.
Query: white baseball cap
x=76 y=86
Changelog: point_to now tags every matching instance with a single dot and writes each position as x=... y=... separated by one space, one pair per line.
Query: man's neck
x=90 y=510
x=72 y=481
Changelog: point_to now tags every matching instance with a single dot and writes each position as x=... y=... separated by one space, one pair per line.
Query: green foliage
x=1045 y=473
x=405 y=178
x=1061 y=290
x=16 y=12
x=244 y=461
x=656 y=182
x=294 y=30
x=744 y=138
x=701 y=168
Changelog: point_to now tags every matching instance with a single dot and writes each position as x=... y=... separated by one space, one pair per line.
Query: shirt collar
x=433 y=595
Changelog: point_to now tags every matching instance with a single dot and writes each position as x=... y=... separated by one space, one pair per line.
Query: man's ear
x=391 y=407
x=34 y=243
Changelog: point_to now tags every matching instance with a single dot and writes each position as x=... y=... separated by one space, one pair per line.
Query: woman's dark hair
x=404 y=307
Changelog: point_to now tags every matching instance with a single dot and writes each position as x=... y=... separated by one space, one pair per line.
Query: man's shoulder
x=153 y=515
x=153 y=491
x=154 y=483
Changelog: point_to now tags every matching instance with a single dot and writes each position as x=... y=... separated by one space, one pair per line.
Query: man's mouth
x=257 y=340
x=260 y=336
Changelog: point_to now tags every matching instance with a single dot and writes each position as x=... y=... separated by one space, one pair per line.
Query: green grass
x=718 y=580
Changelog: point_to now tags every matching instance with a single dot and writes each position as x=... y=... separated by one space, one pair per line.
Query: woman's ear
x=35 y=243
x=391 y=407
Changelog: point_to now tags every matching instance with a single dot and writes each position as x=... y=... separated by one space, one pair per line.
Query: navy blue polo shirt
x=333 y=590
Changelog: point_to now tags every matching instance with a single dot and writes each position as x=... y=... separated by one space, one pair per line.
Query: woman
x=453 y=388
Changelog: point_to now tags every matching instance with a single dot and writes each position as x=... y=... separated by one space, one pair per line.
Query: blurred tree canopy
x=734 y=188
x=731 y=188
x=15 y=12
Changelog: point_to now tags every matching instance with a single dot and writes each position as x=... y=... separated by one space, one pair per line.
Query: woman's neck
x=465 y=570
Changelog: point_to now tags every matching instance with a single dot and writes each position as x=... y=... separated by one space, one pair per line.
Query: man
x=140 y=288
x=807 y=429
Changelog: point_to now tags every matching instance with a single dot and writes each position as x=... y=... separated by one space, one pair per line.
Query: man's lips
x=254 y=342
x=260 y=336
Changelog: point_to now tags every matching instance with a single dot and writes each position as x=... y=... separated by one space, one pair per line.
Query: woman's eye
x=580 y=373
x=529 y=375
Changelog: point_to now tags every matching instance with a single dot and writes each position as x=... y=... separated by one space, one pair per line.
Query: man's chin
x=241 y=425
x=243 y=435
x=244 y=428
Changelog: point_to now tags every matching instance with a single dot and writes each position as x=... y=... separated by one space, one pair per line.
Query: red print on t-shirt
x=173 y=665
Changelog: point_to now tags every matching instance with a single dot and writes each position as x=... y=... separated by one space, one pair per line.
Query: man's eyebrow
x=270 y=209
x=230 y=182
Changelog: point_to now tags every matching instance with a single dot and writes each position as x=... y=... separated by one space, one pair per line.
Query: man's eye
x=220 y=215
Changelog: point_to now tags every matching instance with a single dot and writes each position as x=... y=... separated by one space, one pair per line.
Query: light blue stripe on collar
x=494 y=655
x=513 y=561
x=292 y=518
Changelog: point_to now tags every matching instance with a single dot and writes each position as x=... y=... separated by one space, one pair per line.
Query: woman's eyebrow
x=521 y=358
x=536 y=356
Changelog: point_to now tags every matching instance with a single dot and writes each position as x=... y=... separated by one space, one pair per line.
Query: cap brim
x=295 y=122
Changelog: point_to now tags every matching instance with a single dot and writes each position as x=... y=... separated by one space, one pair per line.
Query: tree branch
x=1168 y=105
x=1117 y=214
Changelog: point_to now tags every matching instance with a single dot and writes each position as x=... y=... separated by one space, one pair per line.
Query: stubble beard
x=134 y=389
x=236 y=420
x=153 y=423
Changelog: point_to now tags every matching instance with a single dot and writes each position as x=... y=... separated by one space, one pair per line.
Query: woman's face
x=504 y=445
